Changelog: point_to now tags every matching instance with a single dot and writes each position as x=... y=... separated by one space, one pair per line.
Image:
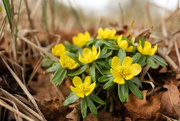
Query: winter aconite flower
x=89 y=55
x=147 y=49
x=123 y=44
x=81 y=39
x=82 y=89
x=59 y=49
x=67 y=62
x=106 y=33
x=124 y=71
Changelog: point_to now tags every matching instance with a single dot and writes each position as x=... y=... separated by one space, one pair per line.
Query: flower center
x=123 y=72
x=84 y=88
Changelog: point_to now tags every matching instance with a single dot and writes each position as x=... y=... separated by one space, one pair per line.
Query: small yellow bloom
x=82 y=89
x=147 y=49
x=124 y=71
x=89 y=55
x=59 y=49
x=67 y=62
x=82 y=39
x=106 y=33
x=123 y=44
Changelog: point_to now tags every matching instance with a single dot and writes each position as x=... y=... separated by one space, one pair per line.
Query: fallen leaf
x=170 y=101
x=75 y=114
x=91 y=117
x=143 y=109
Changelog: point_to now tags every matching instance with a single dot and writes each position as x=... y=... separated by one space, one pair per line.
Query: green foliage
x=71 y=99
x=104 y=72
x=8 y=12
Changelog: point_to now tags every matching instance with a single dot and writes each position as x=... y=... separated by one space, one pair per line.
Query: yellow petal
x=153 y=50
x=81 y=95
x=139 y=48
x=91 y=88
x=135 y=69
x=129 y=49
x=87 y=80
x=119 y=38
x=77 y=81
x=100 y=31
x=87 y=35
x=123 y=44
x=86 y=52
x=75 y=90
x=82 y=59
x=115 y=73
x=119 y=80
x=94 y=50
x=129 y=77
x=115 y=63
x=127 y=62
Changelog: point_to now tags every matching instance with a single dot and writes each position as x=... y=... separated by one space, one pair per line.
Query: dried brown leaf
x=170 y=101
x=143 y=109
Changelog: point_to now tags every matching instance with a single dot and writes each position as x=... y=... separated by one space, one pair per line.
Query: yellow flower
x=147 y=50
x=123 y=44
x=82 y=89
x=106 y=33
x=124 y=71
x=82 y=39
x=89 y=55
x=59 y=49
x=67 y=62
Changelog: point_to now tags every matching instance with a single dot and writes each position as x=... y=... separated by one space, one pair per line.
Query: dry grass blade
x=38 y=64
x=21 y=105
x=23 y=88
x=17 y=117
x=39 y=48
x=4 y=104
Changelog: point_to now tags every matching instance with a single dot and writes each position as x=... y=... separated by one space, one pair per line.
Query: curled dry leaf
x=143 y=109
x=75 y=114
x=170 y=101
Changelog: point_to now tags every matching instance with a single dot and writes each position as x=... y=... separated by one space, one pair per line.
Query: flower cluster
x=108 y=62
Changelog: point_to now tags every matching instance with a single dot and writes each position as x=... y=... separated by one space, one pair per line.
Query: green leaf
x=136 y=57
x=108 y=84
x=121 y=54
x=104 y=78
x=135 y=90
x=47 y=62
x=83 y=105
x=82 y=69
x=142 y=61
x=71 y=99
x=97 y=99
x=110 y=45
x=54 y=67
x=97 y=67
x=105 y=53
x=92 y=42
x=92 y=71
x=8 y=12
x=151 y=63
x=59 y=76
x=123 y=92
x=159 y=60
x=91 y=106
x=103 y=63
x=137 y=81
